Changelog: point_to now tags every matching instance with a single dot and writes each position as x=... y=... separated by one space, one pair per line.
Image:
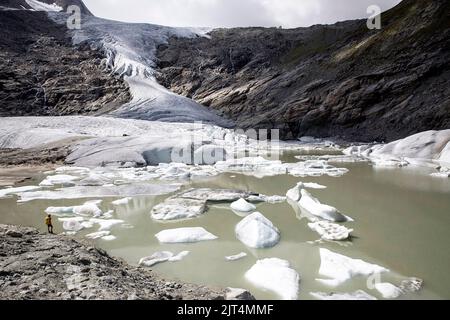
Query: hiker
x=48 y=222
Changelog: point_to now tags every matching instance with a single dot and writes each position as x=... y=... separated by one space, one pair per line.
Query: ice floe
x=106 y=224
x=72 y=224
x=256 y=231
x=323 y=211
x=121 y=202
x=77 y=192
x=236 y=257
x=357 y=295
x=388 y=290
x=178 y=209
x=59 y=179
x=15 y=191
x=98 y=235
x=184 y=235
x=215 y=195
x=338 y=268
x=330 y=231
x=294 y=194
x=242 y=206
x=275 y=275
x=162 y=256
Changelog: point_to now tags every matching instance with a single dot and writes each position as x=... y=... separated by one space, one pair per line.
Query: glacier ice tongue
x=275 y=275
x=256 y=231
x=184 y=235
x=339 y=268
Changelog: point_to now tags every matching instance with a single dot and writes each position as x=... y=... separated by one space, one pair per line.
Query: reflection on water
x=401 y=223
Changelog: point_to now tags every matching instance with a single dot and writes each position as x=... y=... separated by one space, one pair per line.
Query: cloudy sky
x=235 y=13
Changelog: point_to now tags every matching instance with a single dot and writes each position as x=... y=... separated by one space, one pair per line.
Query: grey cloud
x=235 y=13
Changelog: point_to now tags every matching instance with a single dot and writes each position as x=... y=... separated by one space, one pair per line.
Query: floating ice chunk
x=59 y=210
x=184 y=235
x=256 y=166
x=72 y=170
x=242 y=206
x=268 y=199
x=340 y=268
x=88 y=209
x=121 y=202
x=275 y=275
x=411 y=285
x=179 y=256
x=106 y=225
x=42 y=6
x=443 y=174
x=156 y=258
x=295 y=193
x=94 y=180
x=72 y=224
x=98 y=235
x=60 y=179
x=386 y=161
x=256 y=231
x=236 y=257
x=330 y=231
x=388 y=290
x=18 y=190
x=323 y=211
x=103 y=191
x=109 y=238
x=314 y=168
x=178 y=209
x=215 y=195
x=357 y=295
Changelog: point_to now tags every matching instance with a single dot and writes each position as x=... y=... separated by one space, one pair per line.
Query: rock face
x=41 y=73
x=337 y=80
x=36 y=266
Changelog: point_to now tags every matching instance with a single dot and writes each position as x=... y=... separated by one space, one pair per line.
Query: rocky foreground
x=40 y=266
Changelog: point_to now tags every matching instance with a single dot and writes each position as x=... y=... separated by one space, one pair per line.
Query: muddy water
x=401 y=218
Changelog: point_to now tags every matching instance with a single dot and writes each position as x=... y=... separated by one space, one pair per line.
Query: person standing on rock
x=48 y=222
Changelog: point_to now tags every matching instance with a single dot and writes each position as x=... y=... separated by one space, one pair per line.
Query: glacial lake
x=402 y=219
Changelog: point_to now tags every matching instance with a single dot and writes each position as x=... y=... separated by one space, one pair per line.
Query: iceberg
x=388 y=290
x=178 y=209
x=236 y=257
x=294 y=194
x=162 y=256
x=330 y=231
x=121 y=202
x=16 y=191
x=242 y=206
x=339 y=268
x=98 y=192
x=72 y=224
x=215 y=195
x=106 y=225
x=275 y=275
x=256 y=231
x=313 y=206
x=60 y=179
x=98 y=235
x=184 y=235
